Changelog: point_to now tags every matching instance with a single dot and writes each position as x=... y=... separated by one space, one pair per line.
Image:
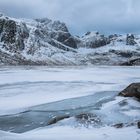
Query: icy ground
x=31 y=96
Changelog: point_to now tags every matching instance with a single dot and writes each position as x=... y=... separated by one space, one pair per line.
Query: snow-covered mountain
x=47 y=42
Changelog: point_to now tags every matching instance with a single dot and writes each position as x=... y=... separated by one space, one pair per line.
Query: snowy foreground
x=31 y=96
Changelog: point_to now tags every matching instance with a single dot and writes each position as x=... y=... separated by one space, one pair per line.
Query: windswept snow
x=30 y=95
x=69 y=133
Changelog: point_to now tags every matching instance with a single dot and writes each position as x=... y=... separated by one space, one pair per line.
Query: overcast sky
x=105 y=16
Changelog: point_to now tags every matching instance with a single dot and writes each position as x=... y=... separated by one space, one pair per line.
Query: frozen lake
x=31 y=96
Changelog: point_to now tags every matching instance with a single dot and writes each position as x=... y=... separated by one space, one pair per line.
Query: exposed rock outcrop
x=94 y=40
x=87 y=119
x=56 y=30
x=13 y=35
x=132 y=90
x=119 y=125
x=130 y=39
x=139 y=124
x=133 y=62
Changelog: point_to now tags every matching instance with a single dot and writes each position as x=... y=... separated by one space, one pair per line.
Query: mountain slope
x=47 y=42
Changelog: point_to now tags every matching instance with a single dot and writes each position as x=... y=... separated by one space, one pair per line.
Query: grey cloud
x=107 y=16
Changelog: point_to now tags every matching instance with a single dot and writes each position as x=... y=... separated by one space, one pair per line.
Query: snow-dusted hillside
x=47 y=42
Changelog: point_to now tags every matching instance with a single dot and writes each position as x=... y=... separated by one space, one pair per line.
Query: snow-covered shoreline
x=65 y=90
x=62 y=133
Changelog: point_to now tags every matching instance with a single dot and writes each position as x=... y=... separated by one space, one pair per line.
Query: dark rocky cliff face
x=8 y=31
x=95 y=40
x=13 y=35
x=57 y=31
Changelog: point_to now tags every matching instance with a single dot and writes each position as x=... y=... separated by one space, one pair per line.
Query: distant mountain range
x=47 y=42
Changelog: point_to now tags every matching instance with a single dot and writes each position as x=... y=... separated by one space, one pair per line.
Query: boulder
x=57 y=119
x=132 y=90
x=13 y=35
x=88 y=119
x=84 y=116
x=119 y=125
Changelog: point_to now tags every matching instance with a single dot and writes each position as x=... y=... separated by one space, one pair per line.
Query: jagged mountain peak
x=53 y=25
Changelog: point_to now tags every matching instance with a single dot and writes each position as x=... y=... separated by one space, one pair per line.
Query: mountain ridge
x=47 y=42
